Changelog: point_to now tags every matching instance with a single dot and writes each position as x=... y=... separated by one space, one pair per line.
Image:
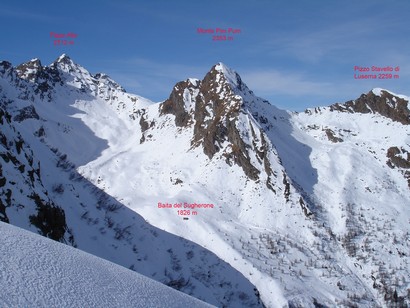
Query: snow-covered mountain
x=45 y=138
x=38 y=272
x=214 y=191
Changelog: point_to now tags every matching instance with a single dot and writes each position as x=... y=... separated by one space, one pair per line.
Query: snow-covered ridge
x=229 y=74
x=377 y=101
x=378 y=92
x=38 y=272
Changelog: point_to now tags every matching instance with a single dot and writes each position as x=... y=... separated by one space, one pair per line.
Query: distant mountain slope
x=38 y=272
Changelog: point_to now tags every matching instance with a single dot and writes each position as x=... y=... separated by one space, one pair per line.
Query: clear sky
x=295 y=53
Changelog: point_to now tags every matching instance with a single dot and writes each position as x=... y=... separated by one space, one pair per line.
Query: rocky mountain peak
x=379 y=101
x=221 y=92
x=64 y=59
x=33 y=63
x=215 y=94
x=213 y=106
x=30 y=70
x=65 y=64
x=5 y=66
x=210 y=100
x=230 y=76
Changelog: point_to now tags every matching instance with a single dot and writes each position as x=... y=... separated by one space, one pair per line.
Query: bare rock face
x=331 y=136
x=385 y=104
x=175 y=104
x=400 y=159
x=395 y=158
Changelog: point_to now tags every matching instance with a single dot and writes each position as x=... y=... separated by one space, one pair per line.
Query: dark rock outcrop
x=28 y=112
x=331 y=136
x=387 y=104
x=394 y=160
x=175 y=104
x=50 y=219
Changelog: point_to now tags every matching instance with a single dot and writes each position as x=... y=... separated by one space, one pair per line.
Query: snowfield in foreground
x=38 y=272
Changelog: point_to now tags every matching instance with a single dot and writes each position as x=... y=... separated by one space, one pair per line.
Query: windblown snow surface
x=38 y=272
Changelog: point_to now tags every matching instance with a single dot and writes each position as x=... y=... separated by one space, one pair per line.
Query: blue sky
x=295 y=53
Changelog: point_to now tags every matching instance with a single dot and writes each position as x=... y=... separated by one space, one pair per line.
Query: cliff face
x=21 y=185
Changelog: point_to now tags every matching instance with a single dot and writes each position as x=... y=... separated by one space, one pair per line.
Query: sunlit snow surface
x=377 y=91
x=38 y=272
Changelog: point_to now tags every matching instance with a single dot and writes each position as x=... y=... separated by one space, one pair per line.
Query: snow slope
x=38 y=272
